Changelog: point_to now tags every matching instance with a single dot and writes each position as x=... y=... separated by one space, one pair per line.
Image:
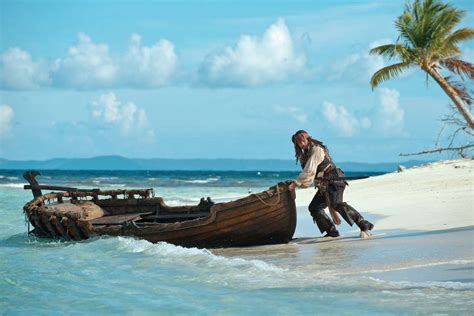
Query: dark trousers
x=333 y=195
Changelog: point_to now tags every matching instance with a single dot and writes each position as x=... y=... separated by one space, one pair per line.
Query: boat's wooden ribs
x=58 y=225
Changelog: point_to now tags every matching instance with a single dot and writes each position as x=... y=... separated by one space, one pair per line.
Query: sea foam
x=12 y=185
x=449 y=285
x=201 y=181
x=170 y=252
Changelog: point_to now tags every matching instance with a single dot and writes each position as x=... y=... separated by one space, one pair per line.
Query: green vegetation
x=427 y=39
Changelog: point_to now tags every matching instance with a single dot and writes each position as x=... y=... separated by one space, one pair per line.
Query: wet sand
x=434 y=256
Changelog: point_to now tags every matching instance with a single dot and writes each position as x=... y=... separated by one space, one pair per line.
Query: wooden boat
x=268 y=217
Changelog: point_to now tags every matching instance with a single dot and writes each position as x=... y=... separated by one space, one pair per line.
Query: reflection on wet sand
x=383 y=253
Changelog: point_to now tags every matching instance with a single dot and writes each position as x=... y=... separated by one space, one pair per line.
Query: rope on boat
x=268 y=204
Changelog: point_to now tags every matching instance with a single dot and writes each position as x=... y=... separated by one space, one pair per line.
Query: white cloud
x=90 y=65
x=345 y=123
x=293 y=112
x=360 y=66
x=6 y=116
x=129 y=118
x=387 y=119
x=390 y=113
x=19 y=71
x=87 y=65
x=254 y=61
x=151 y=66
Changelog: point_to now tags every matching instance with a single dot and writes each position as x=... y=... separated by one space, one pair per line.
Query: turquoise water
x=124 y=275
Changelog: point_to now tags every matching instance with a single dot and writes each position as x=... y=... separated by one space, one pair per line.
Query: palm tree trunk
x=453 y=95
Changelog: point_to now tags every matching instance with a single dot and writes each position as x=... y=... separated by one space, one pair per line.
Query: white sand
x=430 y=197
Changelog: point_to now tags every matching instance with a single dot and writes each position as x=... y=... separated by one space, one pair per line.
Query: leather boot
x=323 y=221
x=365 y=225
x=332 y=232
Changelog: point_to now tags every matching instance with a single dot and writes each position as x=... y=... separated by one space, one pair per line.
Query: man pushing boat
x=318 y=167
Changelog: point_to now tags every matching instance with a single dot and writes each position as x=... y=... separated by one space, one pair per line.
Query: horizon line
x=187 y=159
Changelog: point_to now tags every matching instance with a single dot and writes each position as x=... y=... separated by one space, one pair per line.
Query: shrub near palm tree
x=427 y=40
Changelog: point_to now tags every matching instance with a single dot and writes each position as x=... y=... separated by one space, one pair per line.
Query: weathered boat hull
x=268 y=217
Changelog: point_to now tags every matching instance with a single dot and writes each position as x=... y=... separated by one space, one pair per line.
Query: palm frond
x=461 y=90
x=407 y=34
x=426 y=38
x=427 y=23
x=438 y=54
x=444 y=20
x=463 y=34
x=459 y=67
x=390 y=51
x=387 y=73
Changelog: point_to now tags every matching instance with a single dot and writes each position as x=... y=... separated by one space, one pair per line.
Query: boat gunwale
x=38 y=202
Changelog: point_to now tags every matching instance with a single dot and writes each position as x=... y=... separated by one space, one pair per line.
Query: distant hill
x=122 y=163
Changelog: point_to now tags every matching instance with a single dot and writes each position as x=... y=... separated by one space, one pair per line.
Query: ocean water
x=111 y=275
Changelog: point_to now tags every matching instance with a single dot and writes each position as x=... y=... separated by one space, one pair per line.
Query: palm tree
x=427 y=40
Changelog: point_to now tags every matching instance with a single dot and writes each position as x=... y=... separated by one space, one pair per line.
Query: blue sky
x=208 y=79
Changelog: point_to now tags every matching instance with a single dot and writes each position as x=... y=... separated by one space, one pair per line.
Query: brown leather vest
x=329 y=169
x=327 y=163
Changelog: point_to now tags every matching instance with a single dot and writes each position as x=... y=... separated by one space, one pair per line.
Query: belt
x=328 y=168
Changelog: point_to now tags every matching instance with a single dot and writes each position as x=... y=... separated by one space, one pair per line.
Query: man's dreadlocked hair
x=300 y=154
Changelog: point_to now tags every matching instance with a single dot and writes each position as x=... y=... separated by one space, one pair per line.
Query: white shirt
x=306 y=177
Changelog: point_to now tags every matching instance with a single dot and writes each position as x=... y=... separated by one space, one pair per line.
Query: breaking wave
x=172 y=253
x=203 y=265
x=448 y=285
x=181 y=200
x=201 y=181
x=12 y=185
x=422 y=265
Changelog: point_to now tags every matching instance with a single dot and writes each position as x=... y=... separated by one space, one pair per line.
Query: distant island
x=225 y=164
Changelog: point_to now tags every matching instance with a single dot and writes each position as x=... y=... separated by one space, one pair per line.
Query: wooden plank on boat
x=178 y=216
x=117 y=219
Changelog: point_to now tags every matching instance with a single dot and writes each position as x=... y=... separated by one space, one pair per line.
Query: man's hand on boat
x=291 y=184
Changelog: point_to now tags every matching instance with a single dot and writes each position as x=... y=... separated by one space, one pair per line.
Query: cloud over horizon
x=130 y=119
x=386 y=119
x=392 y=115
x=293 y=112
x=6 y=116
x=359 y=66
x=86 y=65
x=18 y=70
x=344 y=122
x=148 y=66
x=253 y=60
x=90 y=65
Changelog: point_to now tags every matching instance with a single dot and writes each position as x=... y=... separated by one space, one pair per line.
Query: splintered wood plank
x=115 y=219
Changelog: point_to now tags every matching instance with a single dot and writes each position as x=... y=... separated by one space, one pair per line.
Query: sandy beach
x=434 y=196
x=423 y=237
